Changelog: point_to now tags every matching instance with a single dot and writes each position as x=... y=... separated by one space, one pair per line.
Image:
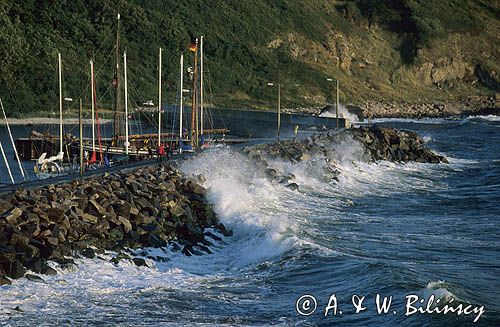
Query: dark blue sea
x=399 y=231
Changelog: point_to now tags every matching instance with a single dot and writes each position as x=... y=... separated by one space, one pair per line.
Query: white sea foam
x=246 y=202
x=343 y=113
x=426 y=138
x=425 y=120
x=438 y=289
x=492 y=118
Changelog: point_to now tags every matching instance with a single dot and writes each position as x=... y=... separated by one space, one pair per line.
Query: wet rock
x=224 y=230
x=272 y=173
x=53 y=241
x=205 y=249
x=213 y=236
x=12 y=216
x=127 y=227
x=177 y=211
x=4 y=206
x=49 y=271
x=292 y=186
x=89 y=218
x=16 y=270
x=139 y=262
x=120 y=256
x=186 y=250
x=4 y=281
x=34 y=278
x=88 y=253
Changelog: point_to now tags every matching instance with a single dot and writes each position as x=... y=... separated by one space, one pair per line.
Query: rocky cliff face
x=399 y=50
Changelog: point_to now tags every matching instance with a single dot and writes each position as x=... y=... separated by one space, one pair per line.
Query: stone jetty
x=144 y=207
x=378 y=143
x=384 y=143
x=373 y=144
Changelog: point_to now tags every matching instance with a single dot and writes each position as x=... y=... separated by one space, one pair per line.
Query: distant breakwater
x=369 y=144
x=144 y=207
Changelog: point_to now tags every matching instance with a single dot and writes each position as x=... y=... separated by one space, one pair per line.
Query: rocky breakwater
x=383 y=143
x=145 y=207
x=363 y=143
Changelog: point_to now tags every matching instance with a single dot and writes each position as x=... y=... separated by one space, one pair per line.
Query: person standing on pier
x=161 y=152
x=167 y=151
x=150 y=152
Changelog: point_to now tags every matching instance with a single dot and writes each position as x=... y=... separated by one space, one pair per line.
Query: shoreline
x=470 y=106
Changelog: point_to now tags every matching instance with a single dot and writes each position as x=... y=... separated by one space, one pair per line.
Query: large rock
x=130 y=209
x=12 y=216
x=4 y=281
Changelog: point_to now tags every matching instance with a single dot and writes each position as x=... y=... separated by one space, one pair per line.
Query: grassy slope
x=371 y=49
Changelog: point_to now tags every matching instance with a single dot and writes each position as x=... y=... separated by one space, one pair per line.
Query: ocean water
x=384 y=228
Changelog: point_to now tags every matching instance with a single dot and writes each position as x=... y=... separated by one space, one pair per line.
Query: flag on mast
x=193 y=47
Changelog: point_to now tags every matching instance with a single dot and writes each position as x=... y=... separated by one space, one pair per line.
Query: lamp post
x=278 y=109
x=337 y=102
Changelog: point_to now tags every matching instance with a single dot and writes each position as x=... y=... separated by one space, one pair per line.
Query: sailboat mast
x=12 y=142
x=92 y=83
x=194 y=112
x=7 y=164
x=116 y=83
x=201 y=86
x=60 y=105
x=181 y=105
x=159 y=99
x=126 y=101
x=80 y=123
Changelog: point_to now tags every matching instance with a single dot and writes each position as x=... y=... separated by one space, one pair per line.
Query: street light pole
x=279 y=111
x=337 y=107
x=337 y=102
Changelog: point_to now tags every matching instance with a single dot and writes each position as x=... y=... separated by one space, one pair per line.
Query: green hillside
x=382 y=50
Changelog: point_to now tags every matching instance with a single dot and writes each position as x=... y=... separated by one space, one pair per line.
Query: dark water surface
x=389 y=229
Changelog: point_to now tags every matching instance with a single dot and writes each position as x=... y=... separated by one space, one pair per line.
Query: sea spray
x=246 y=201
x=343 y=113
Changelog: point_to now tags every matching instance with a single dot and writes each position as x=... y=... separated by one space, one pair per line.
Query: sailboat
x=196 y=138
x=123 y=145
x=52 y=153
x=53 y=165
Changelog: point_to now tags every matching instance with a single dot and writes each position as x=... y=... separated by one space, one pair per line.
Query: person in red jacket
x=161 y=151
